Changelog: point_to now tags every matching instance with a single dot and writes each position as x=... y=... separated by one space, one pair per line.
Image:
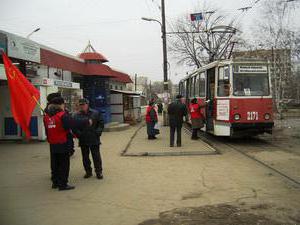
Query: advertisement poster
x=223 y=109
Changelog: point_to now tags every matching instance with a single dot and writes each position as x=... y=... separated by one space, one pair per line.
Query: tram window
x=223 y=82
x=197 y=83
x=184 y=88
x=187 y=88
x=202 y=85
x=191 y=87
x=180 y=88
x=247 y=84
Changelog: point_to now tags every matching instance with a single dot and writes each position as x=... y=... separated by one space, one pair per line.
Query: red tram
x=240 y=96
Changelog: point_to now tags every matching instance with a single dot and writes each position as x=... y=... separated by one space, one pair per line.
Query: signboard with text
x=223 y=109
x=58 y=83
x=23 y=48
x=252 y=69
x=196 y=17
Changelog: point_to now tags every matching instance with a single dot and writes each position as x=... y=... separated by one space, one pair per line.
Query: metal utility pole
x=164 y=38
x=135 y=82
x=150 y=90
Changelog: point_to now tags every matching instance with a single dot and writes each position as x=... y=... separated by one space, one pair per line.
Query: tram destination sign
x=252 y=69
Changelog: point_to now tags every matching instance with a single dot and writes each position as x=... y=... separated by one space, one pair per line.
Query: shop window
x=223 y=82
x=34 y=126
x=10 y=127
x=59 y=74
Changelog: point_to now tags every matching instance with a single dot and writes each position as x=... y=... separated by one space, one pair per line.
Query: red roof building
x=88 y=63
x=77 y=66
x=90 y=55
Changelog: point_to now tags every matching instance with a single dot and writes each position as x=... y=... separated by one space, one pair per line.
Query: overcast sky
x=114 y=27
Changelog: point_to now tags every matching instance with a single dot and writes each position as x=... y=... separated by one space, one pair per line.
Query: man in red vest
x=197 y=117
x=58 y=124
x=151 y=119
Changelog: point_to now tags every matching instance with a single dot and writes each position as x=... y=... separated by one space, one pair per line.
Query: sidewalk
x=141 y=146
x=135 y=189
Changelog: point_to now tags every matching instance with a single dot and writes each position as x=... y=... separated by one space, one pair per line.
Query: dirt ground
x=224 y=188
x=286 y=134
x=216 y=215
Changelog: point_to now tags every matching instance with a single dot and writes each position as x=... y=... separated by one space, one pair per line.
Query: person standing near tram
x=151 y=119
x=197 y=117
x=176 y=111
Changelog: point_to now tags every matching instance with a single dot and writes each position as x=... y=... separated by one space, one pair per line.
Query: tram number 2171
x=252 y=115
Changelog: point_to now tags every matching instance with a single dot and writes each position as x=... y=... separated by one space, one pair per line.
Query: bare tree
x=275 y=28
x=157 y=87
x=196 y=43
x=276 y=31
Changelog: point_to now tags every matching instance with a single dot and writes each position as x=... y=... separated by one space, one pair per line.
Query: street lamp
x=164 y=39
x=36 y=30
x=151 y=20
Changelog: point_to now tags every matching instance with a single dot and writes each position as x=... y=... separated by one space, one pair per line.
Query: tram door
x=210 y=94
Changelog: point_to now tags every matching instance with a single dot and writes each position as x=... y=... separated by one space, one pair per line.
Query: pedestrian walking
x=176 y=111
x=160 y=107
x=151 y=120
x=197 y=117
x=57 y=125
x=89 y=139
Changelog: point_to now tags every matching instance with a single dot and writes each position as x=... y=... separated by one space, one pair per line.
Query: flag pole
x=34 y=98
x=37 y=102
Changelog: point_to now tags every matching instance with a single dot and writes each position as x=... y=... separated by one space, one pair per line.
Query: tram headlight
x=237 y=116
x=267 y=116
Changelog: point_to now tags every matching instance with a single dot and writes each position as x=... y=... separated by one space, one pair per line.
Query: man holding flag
x=23 y=98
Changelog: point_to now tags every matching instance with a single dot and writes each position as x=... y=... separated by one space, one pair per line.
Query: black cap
x=57 y=101
x=83 y=101
x=53 y=95
x=179 y=96
x=194 y=100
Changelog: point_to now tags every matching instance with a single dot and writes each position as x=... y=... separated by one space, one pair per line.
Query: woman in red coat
x=197 y=117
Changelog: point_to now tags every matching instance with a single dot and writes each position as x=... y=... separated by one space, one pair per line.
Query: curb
x=153 y=154
x=171 y=153
x=123 y=153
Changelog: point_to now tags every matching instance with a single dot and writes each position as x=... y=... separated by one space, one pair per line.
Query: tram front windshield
x=250 y=84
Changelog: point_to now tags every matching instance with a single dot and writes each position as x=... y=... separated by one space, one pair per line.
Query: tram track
x=218 y=143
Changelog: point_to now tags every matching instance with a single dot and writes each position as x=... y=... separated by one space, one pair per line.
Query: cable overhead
x=245 y=8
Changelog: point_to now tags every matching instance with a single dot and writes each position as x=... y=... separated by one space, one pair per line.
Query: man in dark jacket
x=57 y=125
x=89 y=139
x=176 y=112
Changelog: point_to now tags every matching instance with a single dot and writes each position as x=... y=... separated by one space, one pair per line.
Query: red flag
x=23 y=95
